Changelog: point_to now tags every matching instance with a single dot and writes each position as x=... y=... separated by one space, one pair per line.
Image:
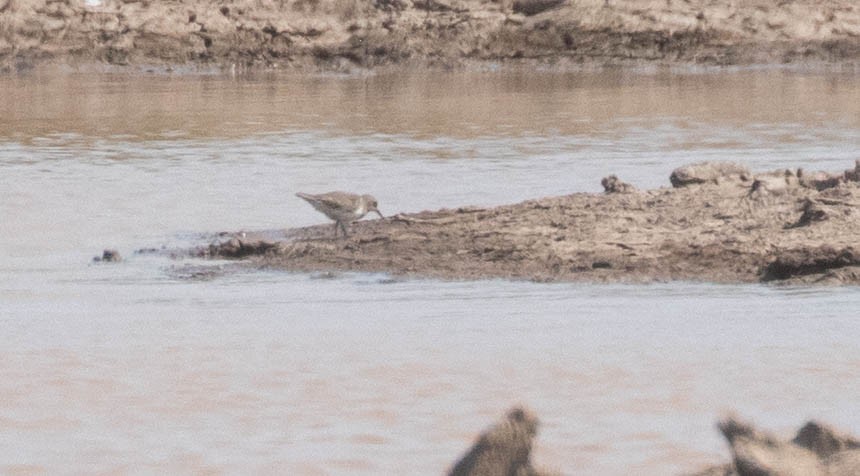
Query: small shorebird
x=342 y=207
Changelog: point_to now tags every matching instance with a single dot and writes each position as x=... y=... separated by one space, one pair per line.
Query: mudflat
x=717 y=223
x=341 y=35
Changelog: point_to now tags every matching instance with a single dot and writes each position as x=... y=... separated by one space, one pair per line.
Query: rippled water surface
x=134 y=368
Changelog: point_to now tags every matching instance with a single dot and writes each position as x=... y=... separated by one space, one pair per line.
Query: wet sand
x=718 y=223
x=329 y=34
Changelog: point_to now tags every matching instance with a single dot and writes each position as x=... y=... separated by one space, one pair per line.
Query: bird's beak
x=378 y=213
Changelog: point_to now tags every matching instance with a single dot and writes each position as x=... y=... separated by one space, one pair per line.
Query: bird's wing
x=338 y=200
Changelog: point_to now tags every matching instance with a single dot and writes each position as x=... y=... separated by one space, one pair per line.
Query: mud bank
x=341 y=35
x=718 y=223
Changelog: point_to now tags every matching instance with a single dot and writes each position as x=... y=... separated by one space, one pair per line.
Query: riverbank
x=328 y=34
x=718 y=223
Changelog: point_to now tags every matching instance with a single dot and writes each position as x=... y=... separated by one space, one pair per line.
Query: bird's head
x=371 y=205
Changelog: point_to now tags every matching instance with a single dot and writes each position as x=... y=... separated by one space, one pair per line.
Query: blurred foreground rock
x=504 y=449
x=816 y=450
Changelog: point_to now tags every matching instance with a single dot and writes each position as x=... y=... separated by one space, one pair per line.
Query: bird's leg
x=342 y=227
x=336 y=223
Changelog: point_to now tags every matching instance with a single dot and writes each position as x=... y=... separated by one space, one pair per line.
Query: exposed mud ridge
x=719 y=223
x=345 y=34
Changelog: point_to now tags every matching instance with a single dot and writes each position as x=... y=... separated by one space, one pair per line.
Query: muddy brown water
x=134 y=367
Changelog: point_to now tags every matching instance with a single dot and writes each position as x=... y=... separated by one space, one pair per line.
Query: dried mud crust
x=342 y=34
x=732 y=229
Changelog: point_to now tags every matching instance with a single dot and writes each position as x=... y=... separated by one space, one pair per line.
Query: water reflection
x=459 y=104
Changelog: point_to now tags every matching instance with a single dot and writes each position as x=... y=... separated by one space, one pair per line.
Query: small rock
x=612 y=184
x=773 y=184
x=708 y=172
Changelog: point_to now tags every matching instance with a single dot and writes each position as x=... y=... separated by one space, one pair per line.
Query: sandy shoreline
x=719 y=223
x=332 y=35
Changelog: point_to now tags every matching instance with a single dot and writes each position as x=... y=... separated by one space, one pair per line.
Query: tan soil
x=732 y=228
x=345 y=34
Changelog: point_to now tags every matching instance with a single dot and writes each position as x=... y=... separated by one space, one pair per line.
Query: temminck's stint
x=342 y=207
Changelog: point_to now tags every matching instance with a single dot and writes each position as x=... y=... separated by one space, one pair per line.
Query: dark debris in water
x=108 y=256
